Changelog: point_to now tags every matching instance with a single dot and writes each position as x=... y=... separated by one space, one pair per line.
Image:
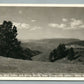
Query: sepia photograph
x=41 y=41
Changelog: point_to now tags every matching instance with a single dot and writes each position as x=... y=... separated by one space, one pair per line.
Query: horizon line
x=49 y=38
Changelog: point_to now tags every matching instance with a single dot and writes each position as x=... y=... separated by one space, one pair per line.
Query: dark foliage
x=61 y=52
x=53 y=55
x=9 y=44
x=58 y=53
x=71 y=54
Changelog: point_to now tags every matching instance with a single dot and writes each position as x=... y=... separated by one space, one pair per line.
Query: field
x=40 y=63
x=9 y=65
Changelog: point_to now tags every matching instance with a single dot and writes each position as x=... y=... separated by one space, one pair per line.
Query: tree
x=53 y=55
x=58 y=53
x=9 y=44
x=61 y=51
x=71 y=54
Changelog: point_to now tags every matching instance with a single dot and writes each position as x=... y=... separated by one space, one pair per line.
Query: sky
x=45 y=22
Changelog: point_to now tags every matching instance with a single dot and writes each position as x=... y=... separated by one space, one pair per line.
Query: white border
x=42 y=78
x=44 y=5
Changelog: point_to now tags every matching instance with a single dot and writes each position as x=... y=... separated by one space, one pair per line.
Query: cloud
x=55 y=25
x=26 y=26
x=64 y=20
x=21 y=25
x=33 y=20
x=61 y=25
x=52 y=25
x=20 y=12
x=72 y=23
x=75 y=23
x=35 y=28
x=81 y=26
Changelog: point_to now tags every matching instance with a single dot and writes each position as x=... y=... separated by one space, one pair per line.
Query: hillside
x=9 y=65
x=81 y=43
x=45 y=46
x=40 y=63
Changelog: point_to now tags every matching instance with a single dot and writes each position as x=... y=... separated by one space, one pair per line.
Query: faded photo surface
x=37 y=41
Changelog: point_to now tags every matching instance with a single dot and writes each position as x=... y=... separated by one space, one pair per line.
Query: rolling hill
x=80 y=42
x=45 y=46
x=10 y=65
x=40 y=62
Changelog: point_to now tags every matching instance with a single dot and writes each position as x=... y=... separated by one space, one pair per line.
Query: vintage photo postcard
x=41 y=42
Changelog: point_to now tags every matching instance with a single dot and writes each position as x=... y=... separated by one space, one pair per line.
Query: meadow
x=40 y=63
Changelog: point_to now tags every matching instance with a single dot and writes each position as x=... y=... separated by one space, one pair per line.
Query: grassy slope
x=45 y=46
x=9 y=65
